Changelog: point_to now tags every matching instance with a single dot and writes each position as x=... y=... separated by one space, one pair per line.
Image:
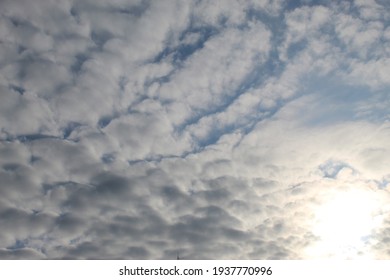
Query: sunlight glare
x=344 y=224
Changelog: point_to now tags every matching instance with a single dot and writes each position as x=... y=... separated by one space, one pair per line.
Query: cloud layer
x=213 y=129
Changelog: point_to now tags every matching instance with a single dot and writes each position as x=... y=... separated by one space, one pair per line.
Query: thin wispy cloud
x=216 y=129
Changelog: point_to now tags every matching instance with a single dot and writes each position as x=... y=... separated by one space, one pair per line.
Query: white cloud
x=216 y=129
x=210 y=78
x=372 y=73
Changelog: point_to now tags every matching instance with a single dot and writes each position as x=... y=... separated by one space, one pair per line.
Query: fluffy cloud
x=216 y=129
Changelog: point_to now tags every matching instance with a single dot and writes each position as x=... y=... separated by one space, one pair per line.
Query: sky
x=235 y=129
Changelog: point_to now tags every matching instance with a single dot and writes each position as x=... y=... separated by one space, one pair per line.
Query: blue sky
x=216 y=129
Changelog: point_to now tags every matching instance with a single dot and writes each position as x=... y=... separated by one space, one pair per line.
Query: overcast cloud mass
x=210 y=129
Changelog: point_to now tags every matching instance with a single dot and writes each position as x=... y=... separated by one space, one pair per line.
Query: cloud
x=212 y=129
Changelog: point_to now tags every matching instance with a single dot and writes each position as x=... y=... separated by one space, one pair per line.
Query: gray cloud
x=212 y=129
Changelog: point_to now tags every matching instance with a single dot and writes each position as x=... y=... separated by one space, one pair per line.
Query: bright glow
x=344 y=224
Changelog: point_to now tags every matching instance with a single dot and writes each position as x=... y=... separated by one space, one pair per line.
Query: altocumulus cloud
x=212 y=129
